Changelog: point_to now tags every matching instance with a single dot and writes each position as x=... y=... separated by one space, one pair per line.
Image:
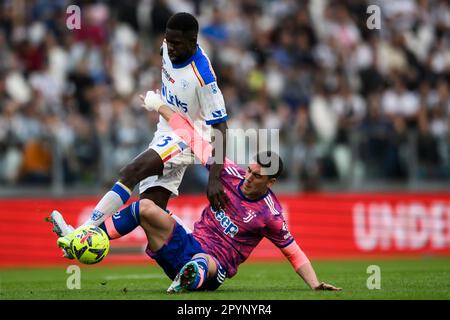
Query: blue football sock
x=123 y=222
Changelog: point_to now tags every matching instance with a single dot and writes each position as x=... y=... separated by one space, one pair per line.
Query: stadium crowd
x=348 y=100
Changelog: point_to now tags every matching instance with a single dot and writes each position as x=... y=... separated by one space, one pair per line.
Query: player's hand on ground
x=152 y=100
x=326 y=287
x=216 y=196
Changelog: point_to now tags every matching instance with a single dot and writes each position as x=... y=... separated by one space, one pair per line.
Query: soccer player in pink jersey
x=223 y=238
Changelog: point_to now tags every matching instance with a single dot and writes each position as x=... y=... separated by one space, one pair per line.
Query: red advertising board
x=325 y=226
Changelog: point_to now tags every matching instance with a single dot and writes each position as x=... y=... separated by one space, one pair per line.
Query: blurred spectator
x=306 y=157
x=216 y=31
x=399 y=103
x=159 y=15
x=350 y=109
x=380 y=140
x=85 y=149
x=36 y=163
x=127 y=12
x=10 y=144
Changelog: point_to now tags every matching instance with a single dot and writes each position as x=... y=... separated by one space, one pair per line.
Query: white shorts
x=176 y=156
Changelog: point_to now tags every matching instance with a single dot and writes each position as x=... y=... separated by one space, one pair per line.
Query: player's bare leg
x=146 y=164
x=157 y=224
x=158 y=195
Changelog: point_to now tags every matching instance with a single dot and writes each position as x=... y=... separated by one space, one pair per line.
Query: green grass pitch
x=400 y=279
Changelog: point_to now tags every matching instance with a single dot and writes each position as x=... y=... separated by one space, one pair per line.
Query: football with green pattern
x=90 y=244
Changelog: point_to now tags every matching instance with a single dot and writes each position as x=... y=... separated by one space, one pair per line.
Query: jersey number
x=165 y=141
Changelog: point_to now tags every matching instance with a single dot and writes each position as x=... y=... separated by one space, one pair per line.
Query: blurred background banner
x=363 y=112
x=327 y=226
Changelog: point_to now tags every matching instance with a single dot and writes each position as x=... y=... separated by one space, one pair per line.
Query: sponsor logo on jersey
x=167 y=75
x=229 y=228
x=173 y=99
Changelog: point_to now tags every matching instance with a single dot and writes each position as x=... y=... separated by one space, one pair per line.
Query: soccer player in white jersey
x=189 y=86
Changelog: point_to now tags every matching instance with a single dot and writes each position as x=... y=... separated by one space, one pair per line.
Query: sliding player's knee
x=151 y=215
x=147 y=208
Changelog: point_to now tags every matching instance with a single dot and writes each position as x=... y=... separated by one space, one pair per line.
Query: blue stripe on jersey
x=204 y=68
x=202 y=65
x=216 y=121
x=187 y=62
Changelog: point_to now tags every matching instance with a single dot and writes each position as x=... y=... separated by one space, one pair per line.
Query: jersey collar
x=247 y=199
x=197 y=53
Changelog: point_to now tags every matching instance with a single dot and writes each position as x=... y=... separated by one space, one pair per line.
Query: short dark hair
x=184 y=22
x=271 y=160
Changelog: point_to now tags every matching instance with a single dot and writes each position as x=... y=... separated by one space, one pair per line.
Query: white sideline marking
x=135 y=276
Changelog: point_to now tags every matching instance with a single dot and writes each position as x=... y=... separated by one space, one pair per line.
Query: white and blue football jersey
x=191 y=88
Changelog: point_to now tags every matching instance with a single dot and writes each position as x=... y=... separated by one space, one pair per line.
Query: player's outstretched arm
x=304 y=269
x=215 y=192
x=181 y=126
x=307 y=273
